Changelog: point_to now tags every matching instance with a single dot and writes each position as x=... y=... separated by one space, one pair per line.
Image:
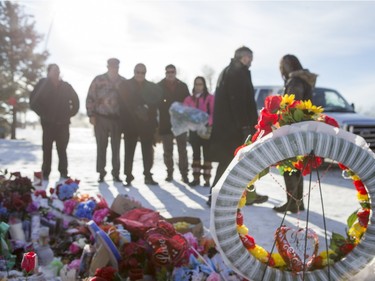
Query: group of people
x=137 y=108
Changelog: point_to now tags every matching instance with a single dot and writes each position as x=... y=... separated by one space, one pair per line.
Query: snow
x=178 y=199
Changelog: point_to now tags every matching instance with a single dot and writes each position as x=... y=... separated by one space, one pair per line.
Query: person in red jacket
x=55 y=101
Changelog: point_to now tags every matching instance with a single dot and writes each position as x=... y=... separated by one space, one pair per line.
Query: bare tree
x=208 y=73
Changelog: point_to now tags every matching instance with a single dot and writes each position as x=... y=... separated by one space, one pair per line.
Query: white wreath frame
x=290 y=141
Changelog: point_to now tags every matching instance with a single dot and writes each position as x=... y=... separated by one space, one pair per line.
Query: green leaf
x=298 y=115
x=352 y=219
x=338 y=239
x=264 y=172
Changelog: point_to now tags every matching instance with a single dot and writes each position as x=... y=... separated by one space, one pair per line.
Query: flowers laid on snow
x=154 y=248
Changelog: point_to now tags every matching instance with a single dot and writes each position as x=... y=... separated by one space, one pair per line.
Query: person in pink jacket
x=202 y=100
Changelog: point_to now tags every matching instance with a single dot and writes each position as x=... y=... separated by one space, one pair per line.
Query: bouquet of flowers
x=284 y=110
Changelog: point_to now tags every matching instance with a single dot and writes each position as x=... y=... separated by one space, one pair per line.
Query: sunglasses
x=170 y=71
x=141 y=72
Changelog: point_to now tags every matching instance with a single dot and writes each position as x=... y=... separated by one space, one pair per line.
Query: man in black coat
x=174 y=90
x=138 y=110
x=55 y=101
x=235 y=113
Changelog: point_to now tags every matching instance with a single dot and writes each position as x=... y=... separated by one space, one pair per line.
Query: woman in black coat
x=299 y=82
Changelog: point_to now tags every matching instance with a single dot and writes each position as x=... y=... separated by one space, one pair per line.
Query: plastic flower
x=85 y=209
x=330 y=121
x=242 y=229
x=266 y=120
x=41 y=193
x=356 y=232
x=69 y=206
x=287 y=100
x=100 y=215
x=75 y=264
x=107 y=273
x=278 y=260
x=260 y=253
x=272 y=103
x=363 y=216
x=242 y=201
x=29 y=262
x=360 y=187
x=74 y=248
x=309 y=107
x=248 y=241
x=362 y=197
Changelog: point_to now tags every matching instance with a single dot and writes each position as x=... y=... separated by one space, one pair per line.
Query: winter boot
x=207 y=166
x=196 y=172
x=294 y=188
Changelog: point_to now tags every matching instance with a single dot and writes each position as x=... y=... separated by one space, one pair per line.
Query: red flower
x=239 y=218
x=261 y=131
x=360 y=187
x=29 y=262
x=255 y=137
x=363 y=216
x=17 y=203
x=318 y=262
x=312 y=163
x=342 y=167
x=266 y=119
x=248 y=241
x=41 y=193
x=272 y=103
x=238 y=149
x=294 y=104
x=346 y=248
x=331 y=121
x=96 y=278
x=108 y=273
x=271 y=261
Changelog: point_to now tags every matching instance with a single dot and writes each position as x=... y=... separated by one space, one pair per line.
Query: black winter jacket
x=179 y=93
x=138 y=108
x=54 y=104
x=235 y=109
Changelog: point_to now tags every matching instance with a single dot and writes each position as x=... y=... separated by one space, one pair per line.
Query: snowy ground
x=178 y=199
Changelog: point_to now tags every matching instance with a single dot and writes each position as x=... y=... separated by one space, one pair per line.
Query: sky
x=334 y=39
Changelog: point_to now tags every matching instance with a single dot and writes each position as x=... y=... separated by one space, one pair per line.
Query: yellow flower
x=242 y=202
x=356 y=232
x=355 y=177
x=260 y=253
x=279 y=262
x=242 y=229
x=286 y=100
x=362 y=197
x=307 y=105
x=325 y=254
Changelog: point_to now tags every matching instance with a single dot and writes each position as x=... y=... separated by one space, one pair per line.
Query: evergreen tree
x=21 y=66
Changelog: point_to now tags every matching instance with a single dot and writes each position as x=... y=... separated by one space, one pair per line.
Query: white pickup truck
x=335 y=106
